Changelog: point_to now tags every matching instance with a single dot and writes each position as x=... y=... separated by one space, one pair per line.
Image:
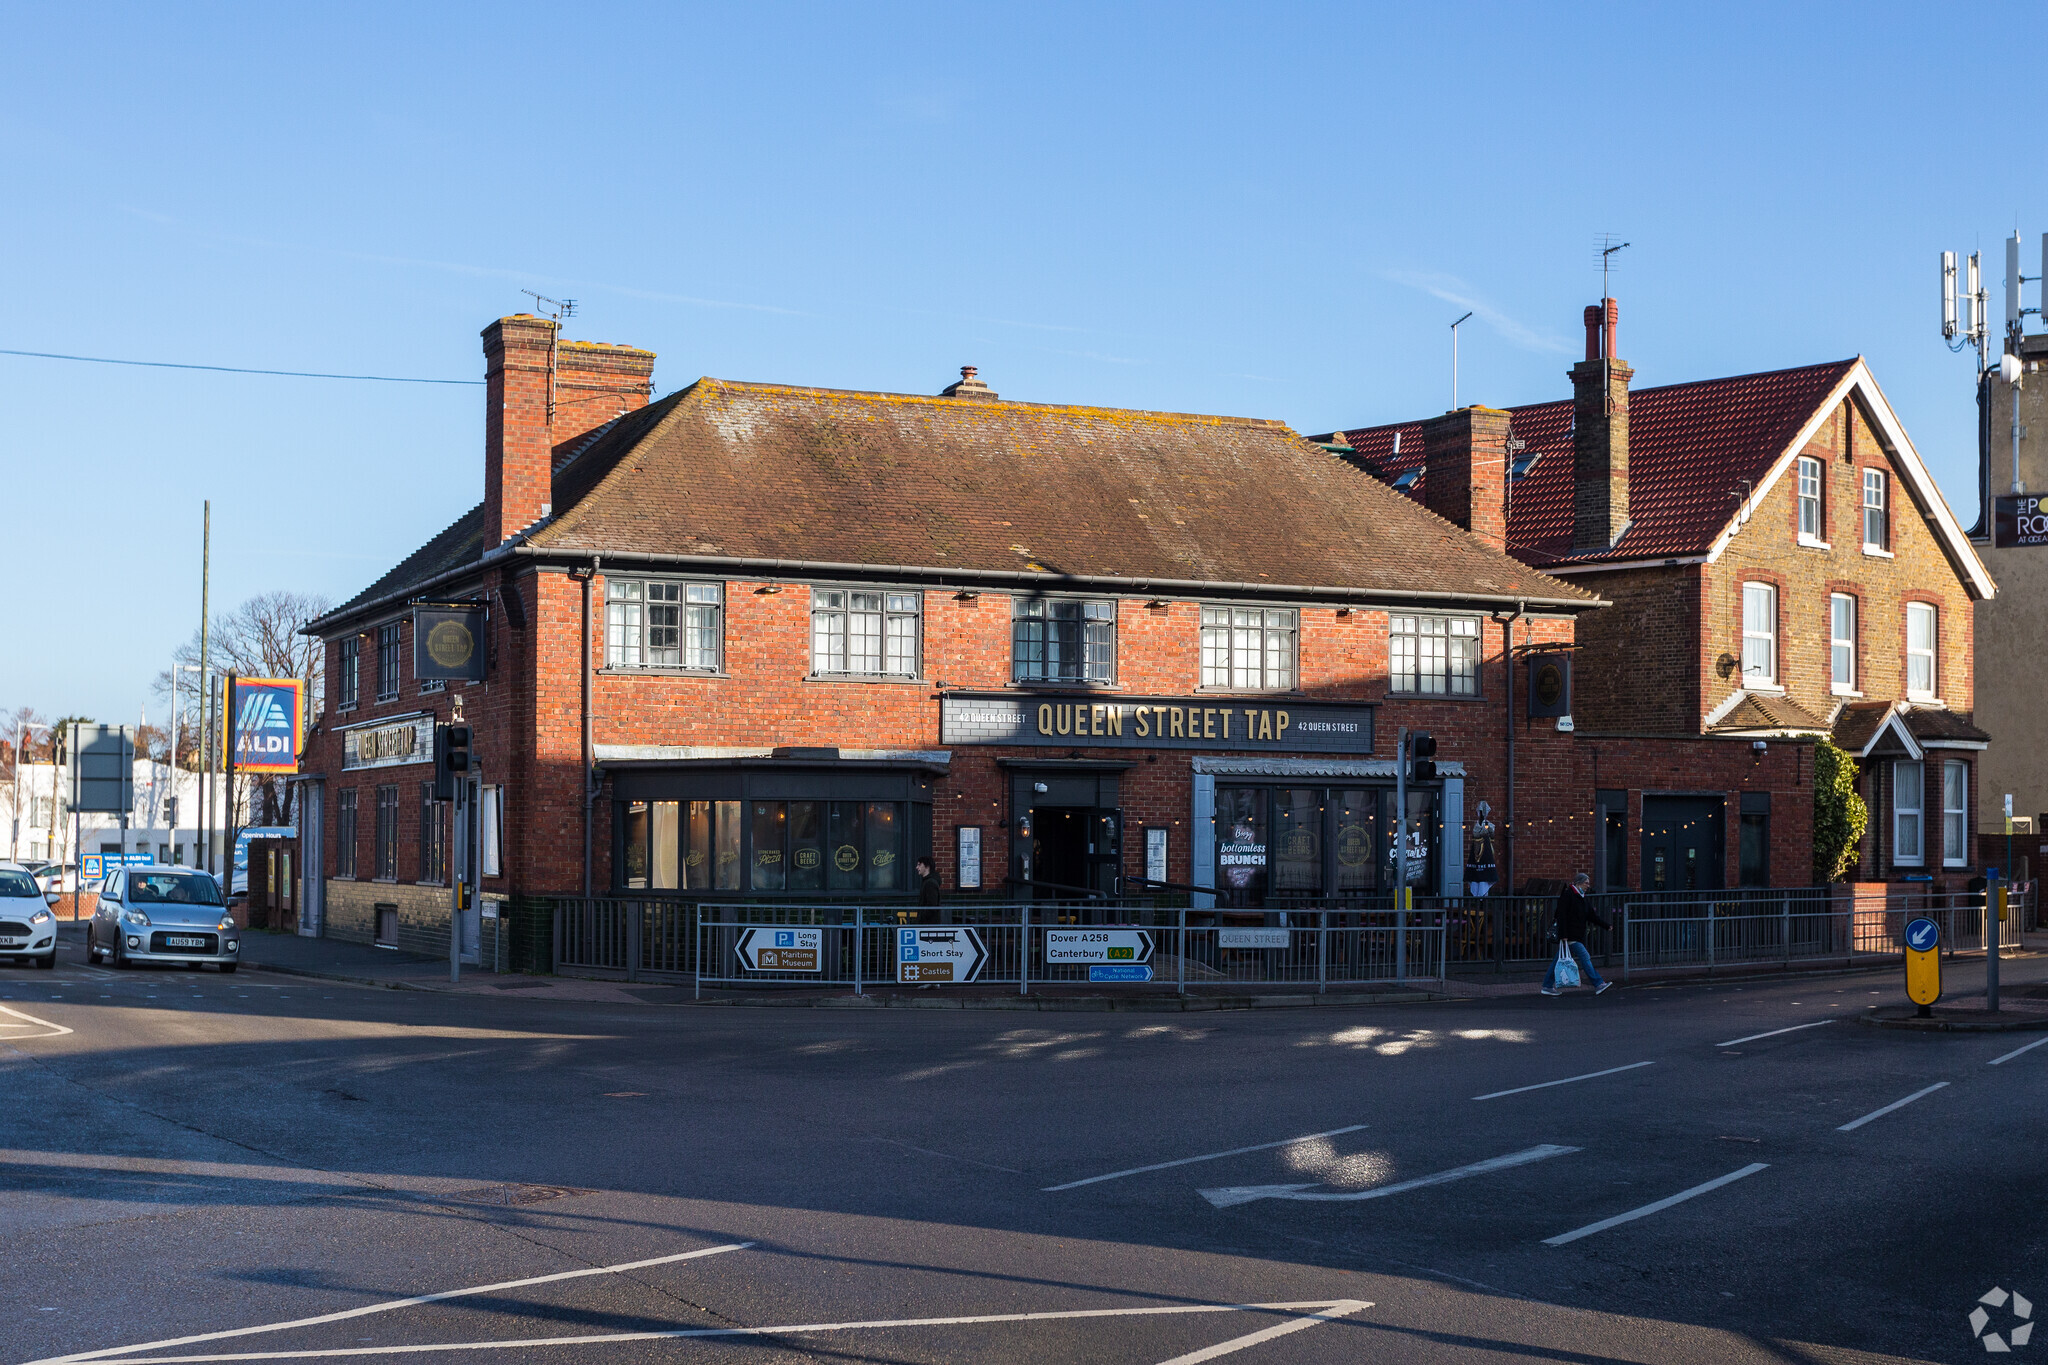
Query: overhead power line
x=236 y=369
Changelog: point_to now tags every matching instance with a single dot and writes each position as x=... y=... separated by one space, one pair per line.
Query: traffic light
x=1422 y=746
x=451 y=756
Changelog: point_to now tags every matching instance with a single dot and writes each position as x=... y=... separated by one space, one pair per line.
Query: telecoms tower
x=1965 y=322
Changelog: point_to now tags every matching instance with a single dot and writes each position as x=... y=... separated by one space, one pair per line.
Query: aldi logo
x=268 y=716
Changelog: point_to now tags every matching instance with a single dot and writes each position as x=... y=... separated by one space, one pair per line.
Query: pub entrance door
x=1682 y=843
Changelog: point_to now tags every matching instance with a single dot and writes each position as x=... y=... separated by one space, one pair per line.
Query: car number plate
x=12 y=942
x=184 y=942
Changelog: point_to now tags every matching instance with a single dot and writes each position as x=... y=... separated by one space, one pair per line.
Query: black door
x=1059 y=836
x=1682 y=848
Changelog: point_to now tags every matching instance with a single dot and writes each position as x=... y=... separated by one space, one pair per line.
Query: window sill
x=345 y=708
x=1807 y=542
x=383 y=697
x=1926 y=699
x=616 y=672
x=1758 y=685
x=1946 y=863
x=1843 y=692
x=433 y=689
x=1254 y=693
x=896 y=678
x=1876 y=553
x=1435 y=696
x=1048 y=685
x=384 y=881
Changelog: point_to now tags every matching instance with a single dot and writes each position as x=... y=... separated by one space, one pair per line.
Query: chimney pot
x=969 y=387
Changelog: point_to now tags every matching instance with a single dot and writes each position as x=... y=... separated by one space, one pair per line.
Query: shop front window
x=1285 y=845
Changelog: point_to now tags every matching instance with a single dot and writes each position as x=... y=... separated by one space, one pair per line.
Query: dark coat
x=928 y=889
x=1574 y=913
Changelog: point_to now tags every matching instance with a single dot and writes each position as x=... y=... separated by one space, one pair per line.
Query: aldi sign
x=268 y=722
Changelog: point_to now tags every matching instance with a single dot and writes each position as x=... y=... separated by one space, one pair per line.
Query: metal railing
x=666 y=939
x=860 y=946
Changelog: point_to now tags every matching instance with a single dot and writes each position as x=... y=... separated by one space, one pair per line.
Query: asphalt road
x=203 y=1168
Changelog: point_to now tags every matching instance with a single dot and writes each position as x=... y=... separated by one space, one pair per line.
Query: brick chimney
x=1600 y=435
x=1465 y=471
x=593 y=383
x=969 y=387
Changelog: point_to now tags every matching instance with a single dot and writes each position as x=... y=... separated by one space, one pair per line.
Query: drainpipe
x=1507 y=657
x=589 y=786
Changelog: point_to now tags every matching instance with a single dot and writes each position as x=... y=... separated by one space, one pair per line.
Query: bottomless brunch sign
x=1234 y=723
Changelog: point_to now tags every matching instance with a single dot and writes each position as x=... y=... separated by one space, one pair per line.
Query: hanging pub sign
x=1157 y=723
x=268 y=715
x=2019 y=519
x=448 y=643
x=1550 y=684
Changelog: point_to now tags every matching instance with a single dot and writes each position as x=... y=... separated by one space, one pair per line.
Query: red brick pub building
x=763 y=641
x=1781 y=566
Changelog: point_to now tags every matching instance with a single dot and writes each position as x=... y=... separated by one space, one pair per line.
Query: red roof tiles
x=1691 y=446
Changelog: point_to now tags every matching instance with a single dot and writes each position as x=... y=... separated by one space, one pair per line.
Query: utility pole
x=205 y=858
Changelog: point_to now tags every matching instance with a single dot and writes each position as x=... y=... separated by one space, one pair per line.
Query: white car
x=27 y=928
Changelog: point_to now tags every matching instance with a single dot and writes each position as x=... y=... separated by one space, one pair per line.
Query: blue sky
x=1269 y=210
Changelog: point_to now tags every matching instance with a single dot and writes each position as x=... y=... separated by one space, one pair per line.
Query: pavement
x=201 y=1166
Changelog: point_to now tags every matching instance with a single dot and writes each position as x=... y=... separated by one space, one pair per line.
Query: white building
x=164 y=822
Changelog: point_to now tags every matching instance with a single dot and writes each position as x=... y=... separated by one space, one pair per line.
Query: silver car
x=162 y=914
x=27 y=928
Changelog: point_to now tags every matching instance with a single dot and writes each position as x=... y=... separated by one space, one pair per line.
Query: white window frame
x=1250 y=649
x=1812 y=509
x=1955 y=813
x=1433 y=656
x=669 y=624
x=1877 y=511
x=866 y=632
x=1931 y=653
x=1766 y=639
x=1905 y=817
x=1841 y=645
x=1094 y=641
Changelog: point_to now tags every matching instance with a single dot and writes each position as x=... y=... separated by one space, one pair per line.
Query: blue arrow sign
x=1922 y=934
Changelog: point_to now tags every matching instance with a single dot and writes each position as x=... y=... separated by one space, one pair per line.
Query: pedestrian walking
x=927 y=882
x=1574 y=913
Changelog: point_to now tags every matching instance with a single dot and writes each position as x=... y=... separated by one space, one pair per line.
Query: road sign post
x=777 y=948
x=1110 y=954
x=1923 y=964
x=939 y=957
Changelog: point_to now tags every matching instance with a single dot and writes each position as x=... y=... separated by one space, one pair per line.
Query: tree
x=1839 y=815
x=259 y=639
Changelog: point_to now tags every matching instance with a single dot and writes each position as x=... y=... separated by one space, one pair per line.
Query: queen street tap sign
x=1235 y=723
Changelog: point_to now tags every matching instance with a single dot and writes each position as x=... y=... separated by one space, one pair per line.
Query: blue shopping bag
x=1566 y=972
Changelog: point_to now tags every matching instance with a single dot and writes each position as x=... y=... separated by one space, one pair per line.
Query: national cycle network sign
x=269 y=719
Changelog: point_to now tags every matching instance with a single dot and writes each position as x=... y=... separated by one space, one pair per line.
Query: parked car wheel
x=121 y=962
x=92 y=953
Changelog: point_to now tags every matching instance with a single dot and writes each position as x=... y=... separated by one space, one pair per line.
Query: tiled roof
x=773 y=472
x=462 y=543
x=1763 y=712
x=1690 y=447
x=1858 y=722
x=1927 y=722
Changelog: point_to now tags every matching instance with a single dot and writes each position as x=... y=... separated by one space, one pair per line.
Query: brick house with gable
x=770 y=641
x=1782 y=566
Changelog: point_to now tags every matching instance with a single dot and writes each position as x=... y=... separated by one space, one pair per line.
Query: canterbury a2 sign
x=269 y=719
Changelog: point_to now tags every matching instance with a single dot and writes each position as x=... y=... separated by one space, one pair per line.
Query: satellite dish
x=2009 y=369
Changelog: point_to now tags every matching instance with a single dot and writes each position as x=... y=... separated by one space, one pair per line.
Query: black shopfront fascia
x=766 y=796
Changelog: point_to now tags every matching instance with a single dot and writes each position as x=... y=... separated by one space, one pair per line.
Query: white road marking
x=1854 y=1124
x=1245 y=1194
x=56 y=1030
x=1658 y=1207
x=124 y=1352
x=1191 y=1160
x=1342 y=1309
x=1996 y=1061
x=1324 y=1311
x=1545 y=1085
x=1732 y=1042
